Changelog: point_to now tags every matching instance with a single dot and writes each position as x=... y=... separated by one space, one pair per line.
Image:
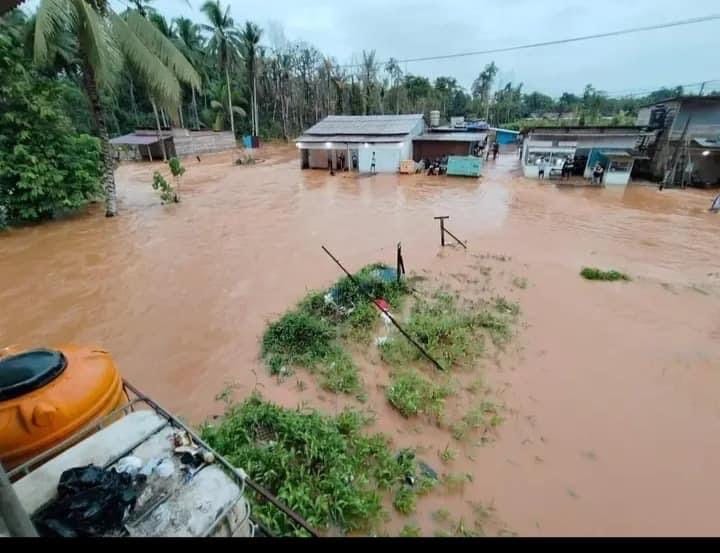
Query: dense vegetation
x=311 y=335
x=46 y=165
x=324 y=468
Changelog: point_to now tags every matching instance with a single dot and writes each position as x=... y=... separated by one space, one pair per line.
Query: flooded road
x=613 y=388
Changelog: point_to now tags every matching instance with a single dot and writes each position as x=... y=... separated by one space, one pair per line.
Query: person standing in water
x=496 y=150
x=372 y=164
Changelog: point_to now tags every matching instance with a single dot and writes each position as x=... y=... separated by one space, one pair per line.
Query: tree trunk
x=195 y=110
x=257 y=122
x=230 y=107
x=102 y=132
x=159 y=131
x=132 y=101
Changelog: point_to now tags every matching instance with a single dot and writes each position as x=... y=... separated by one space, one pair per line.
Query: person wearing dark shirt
x=495 y=150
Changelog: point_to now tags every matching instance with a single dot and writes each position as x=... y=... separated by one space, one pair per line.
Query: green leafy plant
x=46 y=167
x=325 y=468
x=167 y=192
x=410 y=531
x=178 y=170
x=593 y=273
x=405 y=501
x=447 y=455
x=443 y=328
x=311 y=334
x=412 y=394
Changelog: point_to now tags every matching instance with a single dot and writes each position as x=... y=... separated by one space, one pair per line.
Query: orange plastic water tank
x=46 y=395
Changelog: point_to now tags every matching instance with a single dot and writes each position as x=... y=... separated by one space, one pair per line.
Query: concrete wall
x=202 y=142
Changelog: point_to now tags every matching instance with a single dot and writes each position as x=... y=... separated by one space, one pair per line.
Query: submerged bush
x=593 y=273
x=412 y=394
x=310 y=335
x=325 y=468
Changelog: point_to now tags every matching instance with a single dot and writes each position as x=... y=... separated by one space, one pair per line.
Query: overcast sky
x=417 y=28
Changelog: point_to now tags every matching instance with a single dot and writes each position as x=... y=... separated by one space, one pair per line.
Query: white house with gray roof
x=351 y=142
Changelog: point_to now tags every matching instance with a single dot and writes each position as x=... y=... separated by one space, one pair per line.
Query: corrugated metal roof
x=134 y=139
x=451 y=137
x=353 y=139
x=365 y=125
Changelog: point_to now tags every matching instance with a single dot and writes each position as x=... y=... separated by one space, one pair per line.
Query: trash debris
x=382 y=304
x=129 y=464
x=165 y=468
x=91 y=502
x=381 y=340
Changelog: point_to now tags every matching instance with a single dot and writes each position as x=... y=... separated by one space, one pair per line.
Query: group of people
x=566 y=171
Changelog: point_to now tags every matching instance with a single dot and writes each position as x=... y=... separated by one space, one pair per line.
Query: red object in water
x=382 y=304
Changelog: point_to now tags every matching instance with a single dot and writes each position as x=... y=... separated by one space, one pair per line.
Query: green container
x=464 y=166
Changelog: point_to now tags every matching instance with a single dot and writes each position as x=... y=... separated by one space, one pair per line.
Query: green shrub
x=310 y=335
x=46 y=167
x=325 y=468
x=444 y=329
x=411 y=394
x=593 y=273
x=167 y=192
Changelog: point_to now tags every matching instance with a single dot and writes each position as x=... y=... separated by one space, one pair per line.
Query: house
x=615 y=148
x=146 y=143
x=352 y=142
x=685 y=149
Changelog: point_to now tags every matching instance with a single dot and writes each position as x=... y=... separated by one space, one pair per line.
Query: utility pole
x=702 y=88
x=11 y=510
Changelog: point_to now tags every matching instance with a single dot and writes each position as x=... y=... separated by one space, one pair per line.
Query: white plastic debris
x=149 y=467
x=165 y=468
x=129 y=464
x=381 y=340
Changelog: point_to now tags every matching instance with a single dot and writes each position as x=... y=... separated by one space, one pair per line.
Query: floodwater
x=611 y=389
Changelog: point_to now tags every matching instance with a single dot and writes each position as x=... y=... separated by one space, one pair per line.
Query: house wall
x=387 y=157
x=202 y=142
x=427 y=149
x=704 y=120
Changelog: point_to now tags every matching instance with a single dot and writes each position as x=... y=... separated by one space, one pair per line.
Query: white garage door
x=386 y=160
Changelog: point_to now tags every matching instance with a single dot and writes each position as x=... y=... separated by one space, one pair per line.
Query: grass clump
x=447 y=455
x=411 y=394
x=593 y=273
x=311 y=335
x=443 y=328
x=325 y=468
x=405 y=501
x=410 y=531
x=520 y=282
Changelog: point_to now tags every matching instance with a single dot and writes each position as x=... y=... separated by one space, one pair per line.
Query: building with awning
x=143 y=145
x=433 y=145
x=357 y=142
x=614 y=148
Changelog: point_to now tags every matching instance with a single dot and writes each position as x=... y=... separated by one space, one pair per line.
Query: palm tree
x=224 y=44
x=217 y=114
x=393 y=68
x=104 y=39
x=190 y=42
x=250 y=37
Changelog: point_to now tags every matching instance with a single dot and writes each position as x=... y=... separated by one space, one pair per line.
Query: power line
x=678 y=23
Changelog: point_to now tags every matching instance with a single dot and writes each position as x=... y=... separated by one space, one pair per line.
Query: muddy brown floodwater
x=613 y=388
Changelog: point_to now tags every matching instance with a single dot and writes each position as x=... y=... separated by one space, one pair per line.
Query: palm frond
x=96 y=43
x=52 y=17
x=163 y=48
x=240 y=111
x=216 y=105
x=159 y=79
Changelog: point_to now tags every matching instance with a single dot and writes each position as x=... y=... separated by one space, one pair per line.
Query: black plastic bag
x=91 y=501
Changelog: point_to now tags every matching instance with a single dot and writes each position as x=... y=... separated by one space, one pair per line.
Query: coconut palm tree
x=104 y=41
x=224 y=44
x=250 y=36
x=190 y=42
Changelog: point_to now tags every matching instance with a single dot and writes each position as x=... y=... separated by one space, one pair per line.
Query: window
x=619 y=166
